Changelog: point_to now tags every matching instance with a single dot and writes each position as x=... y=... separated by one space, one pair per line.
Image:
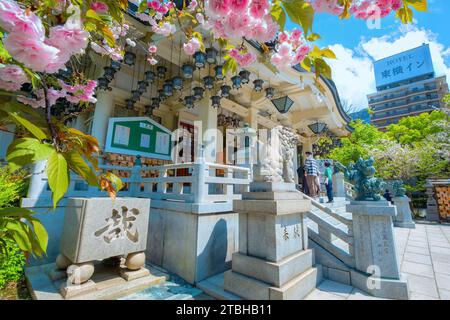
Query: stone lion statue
x=361 y=175
x=278 y=166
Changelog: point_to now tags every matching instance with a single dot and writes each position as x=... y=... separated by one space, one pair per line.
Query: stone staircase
x=330 y=234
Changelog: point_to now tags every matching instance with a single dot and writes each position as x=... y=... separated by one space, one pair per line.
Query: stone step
x=250 y=288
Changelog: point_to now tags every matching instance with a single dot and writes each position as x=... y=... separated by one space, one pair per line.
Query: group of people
x=309 y=176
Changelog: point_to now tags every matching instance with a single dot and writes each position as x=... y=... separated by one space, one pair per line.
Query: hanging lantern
x=155 y=102
x=245 y=76
x=225 y=91
x=188 y=70
x=317 y=127
x=102 y=83
x=208 y=82
x=189 y=102
x=221 y=120
x=236 y=80
x=109 y=73
x=161 y=95
x=177 y=83
x=168 y=88
x=129 y=58
x=149 y=76
x=161 y=71
x=270 y=91
x=283 y=104
x=129 y=104
x=258 y=83
x=116 y=65
x=199 y=59
x=218 y=72
x=198 y=92
x=211 y=55
x=136 y=95
x=142 y=86
x=149 y=110
x=215 y=101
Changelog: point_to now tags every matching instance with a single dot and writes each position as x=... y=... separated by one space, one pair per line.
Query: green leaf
x=19 y=232
x=58 y=176
x=34 y=130
x=77 y=164
x=93 y=15
x=115 y=180
x=15 y=212
x=24 y=151
x=300 y=12
x=278 y=15
x=41 y=234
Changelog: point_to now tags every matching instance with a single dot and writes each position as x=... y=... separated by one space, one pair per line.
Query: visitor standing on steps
x=329 y=181
x=312 y=174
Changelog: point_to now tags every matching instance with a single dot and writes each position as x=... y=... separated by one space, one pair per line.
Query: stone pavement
x=424 y=255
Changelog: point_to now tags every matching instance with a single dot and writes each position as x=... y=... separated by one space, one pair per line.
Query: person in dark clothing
x=329 y=181
x=387 y=195
x=302 y=179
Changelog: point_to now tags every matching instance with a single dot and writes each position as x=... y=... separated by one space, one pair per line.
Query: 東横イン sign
x=138 y=136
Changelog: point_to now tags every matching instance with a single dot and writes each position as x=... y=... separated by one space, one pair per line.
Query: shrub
x=12 y=187
x=11 y=264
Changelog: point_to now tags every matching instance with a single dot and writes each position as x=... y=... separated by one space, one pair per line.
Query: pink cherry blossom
x=238 y=6
x=200 y=18
x=191 y=46
x=152 y=61
x=13 y=73
x=152 y=48
x=219 y=7
x=99 y=7
x=16 y=20
x=258 y=8
x=68 y=41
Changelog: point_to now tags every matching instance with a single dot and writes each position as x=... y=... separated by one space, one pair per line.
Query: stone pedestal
x=403 y=219
x=273 y=262
x=339 y=185
x=375 y=252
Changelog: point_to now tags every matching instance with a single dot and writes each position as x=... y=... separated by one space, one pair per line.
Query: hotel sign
x=403 y=66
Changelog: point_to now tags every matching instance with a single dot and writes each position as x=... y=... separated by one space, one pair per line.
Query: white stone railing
x=195 y=182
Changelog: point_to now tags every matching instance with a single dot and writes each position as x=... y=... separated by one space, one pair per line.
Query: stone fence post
x=403 y=219
x=37 y=183
x=377 y=268
x=198 y=183
x=135 y=177
x=339 y=185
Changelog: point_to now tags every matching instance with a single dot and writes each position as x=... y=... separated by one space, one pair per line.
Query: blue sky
x=357 y=46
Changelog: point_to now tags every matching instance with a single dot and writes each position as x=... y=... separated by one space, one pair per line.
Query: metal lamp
x=188 y=70
x=283 y=104
x=237 y=82
x=215 y=101
x=225 y=91
x=270 y=91
x=161 y=71
x=103 y=83
x=109 y=73
x=211 y=55
x=177 y=83
x=258 y=83
x=150 y=76
x=189 y=102
x=129 y=104
x=198 y=92
x=129 y=58
x=218 y=72
x=161 y=95
x=199 y=59
x=142 y=86
x=208 y=81
x=317 y=127
x=116 y=65
x=155 y=102
x=168 y=88
x=245 y=76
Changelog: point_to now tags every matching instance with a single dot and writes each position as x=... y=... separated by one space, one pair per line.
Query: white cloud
x=353 y=69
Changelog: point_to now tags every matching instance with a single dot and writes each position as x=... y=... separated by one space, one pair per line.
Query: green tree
x=364 y=137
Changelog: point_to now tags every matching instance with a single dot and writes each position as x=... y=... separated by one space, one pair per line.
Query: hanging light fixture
x=155 y=102
x=109 y=73
x=103 y=84
x=317 y=127
x=177 y=83
x=199 y=59
x=258 y=83
x=116 y=65
x=161 y=71
x=136 y=95
x=218 y=72
x=215 y=101
x=129 y=58
x=168 y=88
x=149 y=76
x=189 y=102
x=188 y=70
x=142 y=86
x=237 y=82
x=208 y=81
x=225 y=91
x=198 y=92
x=270 y=91
x=211 y=55
x=283 y=104
x=161 y=95
x=245 y=76
x=129 y=104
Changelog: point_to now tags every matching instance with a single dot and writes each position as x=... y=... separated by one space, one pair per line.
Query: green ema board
x=138 y=136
